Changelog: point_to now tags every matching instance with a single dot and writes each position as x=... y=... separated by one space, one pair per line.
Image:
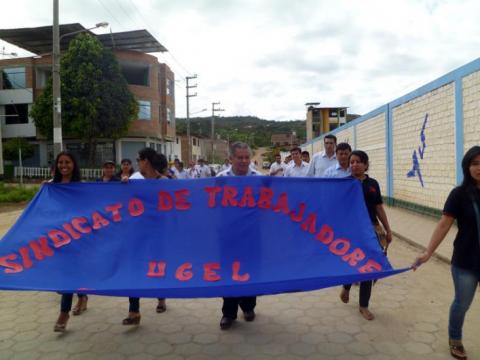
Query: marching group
x=336 y=161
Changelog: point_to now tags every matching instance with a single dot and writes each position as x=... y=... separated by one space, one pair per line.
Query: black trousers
x=365 y=292
x=134 y=304
x=231 y=304
x=66 y=303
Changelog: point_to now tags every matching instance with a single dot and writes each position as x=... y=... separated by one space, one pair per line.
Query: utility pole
x=57 y=107
x=212 y=135
x=189 y=139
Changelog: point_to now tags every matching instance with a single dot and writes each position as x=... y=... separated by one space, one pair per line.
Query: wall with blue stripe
x=416 y=142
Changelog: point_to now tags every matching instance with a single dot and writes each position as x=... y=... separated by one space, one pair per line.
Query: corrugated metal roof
x=38 y=40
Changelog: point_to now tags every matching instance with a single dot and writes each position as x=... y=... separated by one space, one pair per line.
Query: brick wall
x=371 y=139
x=394 y=132
x=345 y=135
x=438 y=164
x=471 y=110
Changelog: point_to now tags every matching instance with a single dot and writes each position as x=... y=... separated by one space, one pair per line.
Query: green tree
x=11 y=147
x=96 y=102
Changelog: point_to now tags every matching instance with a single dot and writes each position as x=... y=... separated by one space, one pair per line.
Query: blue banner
x=227 y=236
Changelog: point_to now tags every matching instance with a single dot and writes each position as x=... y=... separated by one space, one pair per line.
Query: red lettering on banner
x=40 y=248
x=370 y=266
x=156 y=269
x=209 y=273
x=69 y=229
x=11 y=267
x=114 y=209
x=181 y=202
x=282 y=204
x=339 y=247
x=77 y=224
x=59 y=238
x=325 y=235
x=354 y=257
x=212 y=193
x=184 y=272
x=99 y=221
x=27 y=262
x=247 y=198
x=298 y=216
x=229 y=194
x=265 y=199
x=135 y=207
x=310 y=224
x=165 y=201
x=236 y=273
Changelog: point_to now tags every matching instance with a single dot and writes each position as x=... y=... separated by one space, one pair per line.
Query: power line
x=152 y=27
x=108 y=11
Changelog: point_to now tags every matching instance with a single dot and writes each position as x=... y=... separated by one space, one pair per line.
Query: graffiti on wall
x=415 y=171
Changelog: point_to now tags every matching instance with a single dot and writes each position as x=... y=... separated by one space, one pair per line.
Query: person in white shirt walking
x=342 y=168
x=225 y=165
x=203 y=169
x=278 y=167
x=322 y=161
x=298 y=167
x=180 y=171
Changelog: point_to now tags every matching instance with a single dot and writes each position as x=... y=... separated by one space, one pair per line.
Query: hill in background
x=254 y=131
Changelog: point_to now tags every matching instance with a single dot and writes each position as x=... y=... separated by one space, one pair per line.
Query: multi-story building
x=151 y=82
x=323 y=119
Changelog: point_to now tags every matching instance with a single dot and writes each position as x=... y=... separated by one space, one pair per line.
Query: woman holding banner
x=66 y=171
x=152 y=166
x=373 y=201
x=463 y=205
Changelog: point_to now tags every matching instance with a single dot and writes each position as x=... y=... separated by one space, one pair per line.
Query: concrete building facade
x=151 y=82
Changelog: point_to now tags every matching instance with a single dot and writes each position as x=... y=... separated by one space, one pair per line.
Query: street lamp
x=57 y=101
x=198 y=112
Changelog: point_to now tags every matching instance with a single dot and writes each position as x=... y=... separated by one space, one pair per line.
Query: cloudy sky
x=269 y=57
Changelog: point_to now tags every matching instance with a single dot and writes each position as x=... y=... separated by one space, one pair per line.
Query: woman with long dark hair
x=126 y=168
x=462 y=205
x=373 y=201
x=152 y=166
x=67 y=171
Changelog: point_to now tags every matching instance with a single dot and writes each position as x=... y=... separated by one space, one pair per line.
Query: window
x=42 y=77
x=136 y=74
x=342 y=113
x=14 y=78
x=169 y=116
x=16 y=114
x=144 y=110
x=170 y=87
x=332 y=113
x=194 y=142
x=176 y=139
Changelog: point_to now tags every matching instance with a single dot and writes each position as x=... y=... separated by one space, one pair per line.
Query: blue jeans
x=465 y=282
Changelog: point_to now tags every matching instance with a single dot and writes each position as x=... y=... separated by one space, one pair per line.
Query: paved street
x=411 y=323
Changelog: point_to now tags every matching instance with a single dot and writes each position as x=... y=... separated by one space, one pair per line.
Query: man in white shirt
x=181 y=173
x=342 y=168
x=277 y=168
x=192 y=172
x=225 y=166
x=203 y=169
x=322 y=161
x=298 y=167
x=240 y=155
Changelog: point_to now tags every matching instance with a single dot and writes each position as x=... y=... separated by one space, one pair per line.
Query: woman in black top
x=373 y=200
x=462 y=205
x=66 y=171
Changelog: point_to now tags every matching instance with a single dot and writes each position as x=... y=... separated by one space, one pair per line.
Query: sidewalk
x=417 y=229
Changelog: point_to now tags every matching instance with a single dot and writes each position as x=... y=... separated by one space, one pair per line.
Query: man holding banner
x=240 y=155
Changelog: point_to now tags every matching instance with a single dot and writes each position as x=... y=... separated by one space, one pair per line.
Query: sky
x=267 y=58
